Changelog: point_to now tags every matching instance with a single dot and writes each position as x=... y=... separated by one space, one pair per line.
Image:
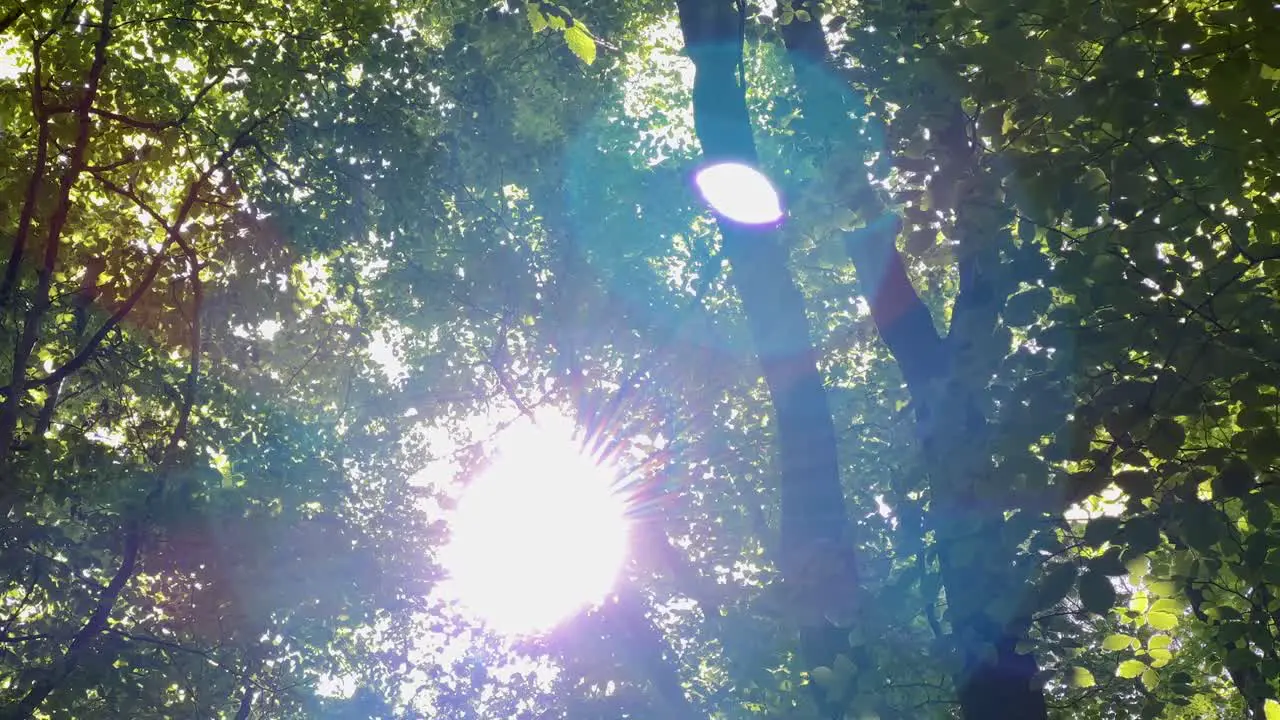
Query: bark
x=995 y=681
x=83 y=301
x=817 y=556
x=27 y=214
x=53 y=241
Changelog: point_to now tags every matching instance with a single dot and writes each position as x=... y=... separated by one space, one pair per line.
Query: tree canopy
x=987 y=426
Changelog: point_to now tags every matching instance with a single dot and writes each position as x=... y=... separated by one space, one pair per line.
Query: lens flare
x=739 y=193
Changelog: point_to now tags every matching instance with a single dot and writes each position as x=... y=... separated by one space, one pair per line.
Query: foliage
x=264 y=263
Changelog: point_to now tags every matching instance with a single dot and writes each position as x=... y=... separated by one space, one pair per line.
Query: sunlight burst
x=740 y=193
x=540 y=534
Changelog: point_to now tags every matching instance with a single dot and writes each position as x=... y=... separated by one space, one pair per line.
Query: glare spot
x=268 y=329
x=11 y=65
x=740 y=193
x=539 y=535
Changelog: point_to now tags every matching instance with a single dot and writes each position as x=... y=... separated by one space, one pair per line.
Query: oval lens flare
x=740 y=193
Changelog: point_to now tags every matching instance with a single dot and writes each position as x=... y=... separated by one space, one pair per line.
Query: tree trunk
x=817 y=554
x=994 y=680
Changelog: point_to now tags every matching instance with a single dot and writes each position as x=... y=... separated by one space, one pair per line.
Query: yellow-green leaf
x=1130 y=669
x=1150 y=679
x=1117 y=642
x=1271 y=709
x=1080 y=677
x=1160 y=657
x=1162 y=620
x=581 y=43
x=537 y=20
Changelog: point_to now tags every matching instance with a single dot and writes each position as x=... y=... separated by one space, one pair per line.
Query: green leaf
x=1130 y=669
x=1235 y=479
x=537 y=21
x=1150 y=679
x=1271 y=708
x=1166 y=438
x=1159 y=642
x=1109 y=563
x=1023 y=309
x=1263 y=447
x=1080 y=677
x=1162 y=620
x=581 y=43
x=1201 y=527
x=1118 y=641
x=1101 y=530
x=1160 y=657
x=1097 y=594
x=1142 y=534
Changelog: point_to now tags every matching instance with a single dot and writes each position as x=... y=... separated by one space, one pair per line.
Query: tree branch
x=83 y=639
x=53 y=241
x=10 y=18
x=173 y=236
x=905 y=324
x=246 y=702
x=987 y=687
x=638 y=637
x=27 y=214
x=812 y=496
x=154 y=126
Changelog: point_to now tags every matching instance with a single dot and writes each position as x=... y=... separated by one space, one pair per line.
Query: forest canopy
x=980 y=420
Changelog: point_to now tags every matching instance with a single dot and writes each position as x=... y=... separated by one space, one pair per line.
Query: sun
x=540 y=534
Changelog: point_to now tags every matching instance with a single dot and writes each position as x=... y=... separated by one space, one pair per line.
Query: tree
x=986 y=428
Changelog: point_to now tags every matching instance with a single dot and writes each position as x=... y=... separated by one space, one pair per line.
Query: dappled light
x=541 y=532
x=740 y=193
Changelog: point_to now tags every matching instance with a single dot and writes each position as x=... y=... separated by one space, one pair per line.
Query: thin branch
x=53 y=241
x=27 y=215
x=155 y=126
x=94 y=627
x=172 y=236
x=10 y=18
